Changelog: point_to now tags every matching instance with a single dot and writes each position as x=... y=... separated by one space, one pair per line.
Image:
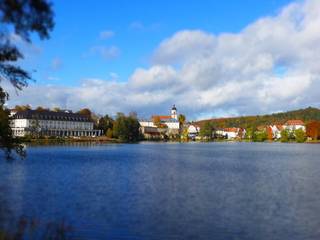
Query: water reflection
x=170 y=191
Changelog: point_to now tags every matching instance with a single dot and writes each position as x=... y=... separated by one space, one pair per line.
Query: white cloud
x=106 y=34
x=206 y=74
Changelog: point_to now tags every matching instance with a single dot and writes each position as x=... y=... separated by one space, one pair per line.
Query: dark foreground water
x=167 y=191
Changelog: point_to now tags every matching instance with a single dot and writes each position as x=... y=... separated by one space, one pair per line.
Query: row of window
x=47 y=117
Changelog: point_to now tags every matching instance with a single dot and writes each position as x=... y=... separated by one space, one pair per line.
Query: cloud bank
x=271 y=65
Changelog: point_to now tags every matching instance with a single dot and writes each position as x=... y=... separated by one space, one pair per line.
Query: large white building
x=50 y=123
x=171 y=121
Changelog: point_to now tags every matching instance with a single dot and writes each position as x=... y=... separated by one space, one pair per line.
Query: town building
x=274 y=131
x=292 y=125
x=231 y=133
x=193 y=131
x=50 y=123
x=171 y=121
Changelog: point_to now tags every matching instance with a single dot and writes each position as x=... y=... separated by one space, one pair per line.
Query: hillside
x=306 y=115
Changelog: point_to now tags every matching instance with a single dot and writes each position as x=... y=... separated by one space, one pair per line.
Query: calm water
x=168 y=191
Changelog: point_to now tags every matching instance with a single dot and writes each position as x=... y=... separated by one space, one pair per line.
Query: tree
x=105 y=123
x=206 y=130
x=126 y=128
x=109 y=133
x=56 y=109
x=313 y=129
x=156 y=121
x=41 y=109
x=85 y=112
x=24 y=17
x=260 y=136
x=181 y=119
x=19 y=108
x=300 y=135
x=7 y=142
x=284 y=136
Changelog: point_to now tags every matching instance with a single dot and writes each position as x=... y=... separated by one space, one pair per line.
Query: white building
x=275 y=131
x=193 y=130
x=171 y=121
x=49 y=123
x=292 y=125
x=231 y=133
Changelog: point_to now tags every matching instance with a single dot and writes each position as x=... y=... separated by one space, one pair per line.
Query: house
x=231 y=133
x=193 y=131
x=150 y=132
x=292 y=125
x=50 y=123
x=170 y=121
x=274 y=131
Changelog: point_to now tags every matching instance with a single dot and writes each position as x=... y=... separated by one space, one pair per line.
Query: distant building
x=50 y=123
x=171 y=121
x=231 y=133
x=292 y=125
x=274 y=131
x=193 y=131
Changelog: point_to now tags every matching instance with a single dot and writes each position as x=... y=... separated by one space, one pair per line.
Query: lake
x=166 y=191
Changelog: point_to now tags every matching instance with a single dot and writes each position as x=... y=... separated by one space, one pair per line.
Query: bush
x=284 y=136
x=300 y=135
x=109 y=133
x=260 y=136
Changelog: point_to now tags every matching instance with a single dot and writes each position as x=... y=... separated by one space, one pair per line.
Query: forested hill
x=307 y=114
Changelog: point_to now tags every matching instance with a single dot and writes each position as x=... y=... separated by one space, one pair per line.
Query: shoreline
x=44 y=141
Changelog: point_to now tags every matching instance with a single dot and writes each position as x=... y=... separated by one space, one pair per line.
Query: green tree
x=24 y=17
x=260 y=136
x=206 y=130
x=7 y=142
x=109 y=133
x=300 y=135
x=284 y=135
x=105 y=123
x=126 y=128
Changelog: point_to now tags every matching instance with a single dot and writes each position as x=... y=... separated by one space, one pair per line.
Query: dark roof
x=51 y=115
x=174 y=107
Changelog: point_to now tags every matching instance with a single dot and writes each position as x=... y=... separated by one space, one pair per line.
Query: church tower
x=174 y=112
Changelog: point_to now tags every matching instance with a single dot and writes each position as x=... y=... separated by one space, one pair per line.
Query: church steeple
x=174 y=112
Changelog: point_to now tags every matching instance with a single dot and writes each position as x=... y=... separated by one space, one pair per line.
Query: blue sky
x=137 y=27
x=203 y=56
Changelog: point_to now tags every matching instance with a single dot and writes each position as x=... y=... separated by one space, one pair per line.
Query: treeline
x=125 y=128
x=306 y=115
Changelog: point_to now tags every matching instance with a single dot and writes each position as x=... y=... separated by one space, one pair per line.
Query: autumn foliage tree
x=23 y=17
x=313 y=130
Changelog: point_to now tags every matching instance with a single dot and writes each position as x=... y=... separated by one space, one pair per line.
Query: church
x=171 y=121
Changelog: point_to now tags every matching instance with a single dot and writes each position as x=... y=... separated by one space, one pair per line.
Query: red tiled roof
x=294 y=122
x=162 y=117
x=230 y=129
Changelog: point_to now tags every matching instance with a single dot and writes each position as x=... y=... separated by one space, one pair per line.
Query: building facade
x=171 y=121
x=50 y=123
